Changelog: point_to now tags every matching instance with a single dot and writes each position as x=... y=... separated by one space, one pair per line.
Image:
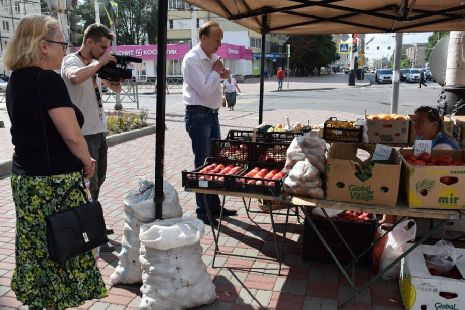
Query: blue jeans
x=202 y=126
x=280 y=83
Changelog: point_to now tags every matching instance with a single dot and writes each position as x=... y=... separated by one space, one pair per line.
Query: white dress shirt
x=201 y=85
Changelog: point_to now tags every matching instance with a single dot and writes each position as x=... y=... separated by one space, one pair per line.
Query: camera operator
x=78 y=70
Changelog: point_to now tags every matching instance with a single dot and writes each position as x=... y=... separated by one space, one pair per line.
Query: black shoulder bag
x=72 y=231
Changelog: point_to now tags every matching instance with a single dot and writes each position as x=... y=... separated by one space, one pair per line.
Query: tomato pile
x=355 y=216
x=425 y=159
x=219 y=169
x=265 y=174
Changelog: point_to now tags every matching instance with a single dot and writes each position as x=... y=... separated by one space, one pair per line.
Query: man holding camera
x=79 y=70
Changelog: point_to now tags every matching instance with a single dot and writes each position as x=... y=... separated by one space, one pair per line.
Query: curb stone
x=5 y=165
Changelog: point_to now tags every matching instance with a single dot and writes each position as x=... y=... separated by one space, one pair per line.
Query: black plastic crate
x=244 y=135
x=359 y=236
x=233 y=150
x=266 y=137
x=333 y=133
x=241 y=183
x=271 y=153
x=197 y=179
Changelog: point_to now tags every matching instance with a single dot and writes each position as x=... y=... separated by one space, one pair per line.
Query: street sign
x=344 y=48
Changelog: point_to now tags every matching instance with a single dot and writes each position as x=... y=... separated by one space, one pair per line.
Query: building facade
x=416 y=54
x=241 y=47
x=11 y=12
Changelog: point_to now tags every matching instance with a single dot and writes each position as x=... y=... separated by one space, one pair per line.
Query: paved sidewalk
x=302 y=285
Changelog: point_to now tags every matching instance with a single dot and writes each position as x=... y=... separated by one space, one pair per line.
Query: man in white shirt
x=202 y=72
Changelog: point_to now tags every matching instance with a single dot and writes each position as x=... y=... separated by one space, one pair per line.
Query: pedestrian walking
x=50 y=156
x=265 y=72
x=202 y=72
x=422 y=79
x=280 y=76
x=79 y=71
x=229 y=91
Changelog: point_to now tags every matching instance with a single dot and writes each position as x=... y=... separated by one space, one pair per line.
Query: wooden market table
x=441 y=215
x=265 y=198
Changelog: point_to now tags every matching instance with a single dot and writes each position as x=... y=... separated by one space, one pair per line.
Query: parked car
x=427 y=74
x=3 y=85
x=4 y=77
x=403 y=74
x=384 y=76
x=413 y=75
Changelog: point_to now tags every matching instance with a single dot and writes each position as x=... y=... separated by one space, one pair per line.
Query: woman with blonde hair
x=50 y=155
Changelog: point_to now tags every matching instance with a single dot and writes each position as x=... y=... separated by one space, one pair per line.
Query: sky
x=384 y=41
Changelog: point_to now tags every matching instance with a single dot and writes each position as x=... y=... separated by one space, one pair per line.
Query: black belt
x=191 y=107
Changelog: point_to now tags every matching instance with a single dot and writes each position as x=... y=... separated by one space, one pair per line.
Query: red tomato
x=446 y=159
x=420 y=162
x=425 y=156
x=410 y=158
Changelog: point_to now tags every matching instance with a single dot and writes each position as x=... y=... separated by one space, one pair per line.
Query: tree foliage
x=136 y=22
x=405 y=63
x=432 y=41
x=310 y=52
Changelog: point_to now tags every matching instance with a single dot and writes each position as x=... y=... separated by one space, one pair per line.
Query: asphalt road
x=374 y=98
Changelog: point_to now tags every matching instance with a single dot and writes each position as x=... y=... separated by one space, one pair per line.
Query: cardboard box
x=388 y=131
x=431 y=187
x=421 y=290
x=343 y=166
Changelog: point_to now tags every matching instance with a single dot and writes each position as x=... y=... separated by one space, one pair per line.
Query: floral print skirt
x=38 y=281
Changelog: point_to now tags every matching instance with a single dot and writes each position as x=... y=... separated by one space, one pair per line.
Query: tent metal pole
x=161 y=102
x=262 y=68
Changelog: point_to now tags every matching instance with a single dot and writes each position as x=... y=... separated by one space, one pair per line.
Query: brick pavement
x=301 y=285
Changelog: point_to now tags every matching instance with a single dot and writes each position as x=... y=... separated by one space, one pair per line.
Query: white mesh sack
x=139 y=209
x=174 y=275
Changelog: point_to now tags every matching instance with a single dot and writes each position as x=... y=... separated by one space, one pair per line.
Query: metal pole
x=97 y=11
x=194 y=34
x=352 y=64
x=113 y=50
x=396 y=74
x=288 y=55
x=161 y=102
x=262 y=69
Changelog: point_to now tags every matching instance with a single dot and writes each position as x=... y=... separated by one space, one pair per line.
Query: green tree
x=405 y=63
x=309 y=52
x=136 y=22
x=432 y=41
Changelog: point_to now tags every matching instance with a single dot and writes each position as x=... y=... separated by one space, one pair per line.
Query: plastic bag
x=393 y=247
x=444 y=258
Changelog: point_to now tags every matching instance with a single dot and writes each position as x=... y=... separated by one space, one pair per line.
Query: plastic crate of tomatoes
x=267 y=137
x=233 y=150
x=260 y=178
x=214 y=174
x=271 y=153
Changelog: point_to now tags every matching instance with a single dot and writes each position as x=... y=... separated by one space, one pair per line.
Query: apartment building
x=241 y=47
x=416 y=54
x=11 y=12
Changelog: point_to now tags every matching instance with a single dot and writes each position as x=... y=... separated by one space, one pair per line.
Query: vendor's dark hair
x=98 y=31
x=205 y=28
x=432 y=114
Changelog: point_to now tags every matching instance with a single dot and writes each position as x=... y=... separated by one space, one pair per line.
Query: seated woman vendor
x=428 y=125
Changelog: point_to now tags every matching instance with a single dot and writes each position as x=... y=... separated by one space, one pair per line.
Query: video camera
x=117 y=71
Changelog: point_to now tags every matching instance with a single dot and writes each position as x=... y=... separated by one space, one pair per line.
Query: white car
x=413 y=75
x=384 y=76
x=3 y=85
